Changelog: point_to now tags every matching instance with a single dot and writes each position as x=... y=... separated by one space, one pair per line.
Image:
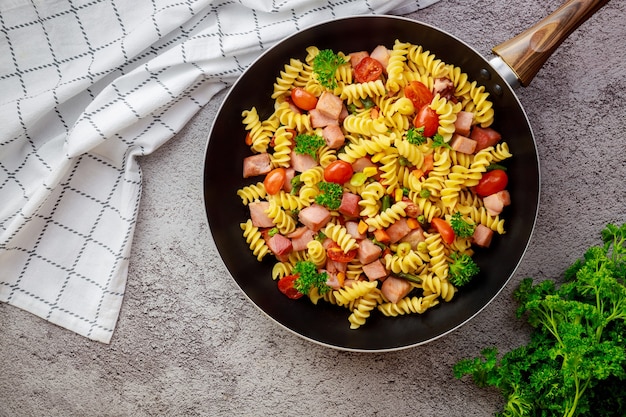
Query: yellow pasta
x=398 y=177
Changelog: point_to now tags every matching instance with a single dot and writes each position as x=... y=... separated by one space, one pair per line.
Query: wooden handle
x=527 y=52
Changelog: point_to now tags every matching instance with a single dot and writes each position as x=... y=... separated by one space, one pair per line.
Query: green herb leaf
x=325 y=65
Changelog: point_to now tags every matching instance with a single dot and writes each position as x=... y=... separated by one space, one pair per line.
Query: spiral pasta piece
x=254 y=239
x=282 y=147
x=370 y=199
x=385 y=218
x=252 y=192
x=283 y=221
x=356 y=92
x=409 y=305
x=395 y=66
x=363 y=308
x=316 y=252
x=358 y=289
x=438 y=286
x=339 y=234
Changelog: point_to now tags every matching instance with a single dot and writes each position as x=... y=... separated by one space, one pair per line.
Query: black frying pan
x=327 y=324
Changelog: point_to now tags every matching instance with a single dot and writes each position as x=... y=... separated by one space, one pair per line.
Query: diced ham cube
x=350 y=205
x=463 y=144
x=289 y=174
x=258 y=214
x=314 y=217
x=333 y=280
x=482 y=236
x=279 y=245
x=334 y=266
x=259 y=164
x=362 y=163
x=344 y=113
x=443 y=86
x=319 y=119
x=356 y=57
x=375 y=270
x=368 y=251
x=398 y=230
x=495 y=203
x=330 y=105
x=300 y=237
x=353 y=229
x=484 y=137
x=381 y=54
x=334 y=137
x=411 y=209
x=463 y=122
x=395 y=289
x=302 y=162
x=414 y=238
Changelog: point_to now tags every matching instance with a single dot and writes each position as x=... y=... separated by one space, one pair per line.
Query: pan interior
x=324 y=323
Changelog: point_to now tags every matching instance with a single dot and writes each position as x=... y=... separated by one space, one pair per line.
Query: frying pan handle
x=526 y=53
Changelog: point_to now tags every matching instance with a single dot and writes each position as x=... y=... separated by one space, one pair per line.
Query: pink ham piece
x=329 y=105
x=333 y=280
x=381 y=54
x=259 y=164
x=463 y=122
x=356 y=57
x=375 y=270
x=334 y=137
x=398 y=230
x=302 y=162
x=368 y=251
x=414 y=238
x=495 y=203
x=484 y=137
x=350 y=205
x=314 y=217
x=300 y=238
x=362 y=163
x=289 y=174
x=463 y=144
x=279 y=245
x=395 y=289
x=482 y=236
x=334 y=266
x=353 y=228
x=258 y=214
x=319 y=119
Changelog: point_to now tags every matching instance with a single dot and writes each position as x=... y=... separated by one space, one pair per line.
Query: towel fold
x=87 y=88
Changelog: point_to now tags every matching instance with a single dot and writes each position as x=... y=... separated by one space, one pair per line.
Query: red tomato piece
x=337 y=254
x=492 y=182
x=274 y=180
x=303 y=99
x=286 y=286
x=428 y=119
x=444 y=229
x=368 y=69
x=418 y=93
x=338 y=172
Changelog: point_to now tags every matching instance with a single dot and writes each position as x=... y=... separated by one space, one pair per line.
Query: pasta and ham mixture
x=374 y=179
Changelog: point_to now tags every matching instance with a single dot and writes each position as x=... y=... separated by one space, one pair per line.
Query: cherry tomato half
x=286 y=286
x=303 y=99
x=368 y=69
x=491 y=182
x=418 y=93
x=444 y=229
x=428 y=119
x=338 y=172
x=274 y=180
x=337 y=254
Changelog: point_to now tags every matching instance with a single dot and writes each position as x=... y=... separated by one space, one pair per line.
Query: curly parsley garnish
x=309 y=277
x=325 y=65
x=331 y=195
x=308 y=144
x=416 y=136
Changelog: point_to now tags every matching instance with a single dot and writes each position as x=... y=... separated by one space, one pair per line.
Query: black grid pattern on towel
x=88 y=86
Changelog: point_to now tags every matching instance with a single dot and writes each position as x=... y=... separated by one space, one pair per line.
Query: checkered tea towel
x=86 y=87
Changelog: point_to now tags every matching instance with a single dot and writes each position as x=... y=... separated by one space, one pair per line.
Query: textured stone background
x=188 y=342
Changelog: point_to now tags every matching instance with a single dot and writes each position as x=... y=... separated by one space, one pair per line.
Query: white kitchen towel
x=88 y=86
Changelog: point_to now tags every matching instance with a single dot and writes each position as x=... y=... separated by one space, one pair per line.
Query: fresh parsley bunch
x=575 y=362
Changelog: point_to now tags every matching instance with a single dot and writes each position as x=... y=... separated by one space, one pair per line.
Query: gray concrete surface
x=189 y=344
